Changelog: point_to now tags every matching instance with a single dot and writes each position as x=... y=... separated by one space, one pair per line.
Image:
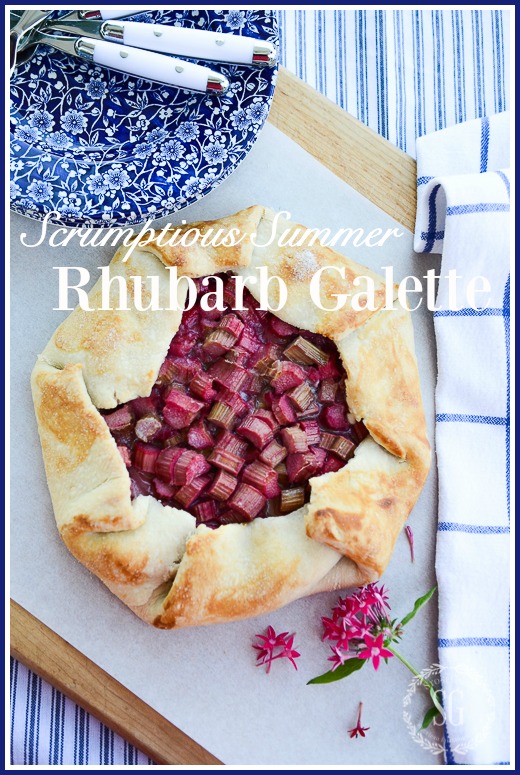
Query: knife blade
x=181 y=41
x=135 y=61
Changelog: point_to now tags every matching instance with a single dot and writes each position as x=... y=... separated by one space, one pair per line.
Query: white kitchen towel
x=463 y=206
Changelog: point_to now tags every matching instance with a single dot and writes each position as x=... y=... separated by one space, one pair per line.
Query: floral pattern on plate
x=99 y=148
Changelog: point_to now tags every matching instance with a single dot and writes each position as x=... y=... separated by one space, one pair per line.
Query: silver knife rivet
x=157 y=33
x=219 y=42
x=179 y=69
x=123 y=54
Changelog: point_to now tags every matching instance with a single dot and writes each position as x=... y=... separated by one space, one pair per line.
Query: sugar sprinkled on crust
x=305 y=265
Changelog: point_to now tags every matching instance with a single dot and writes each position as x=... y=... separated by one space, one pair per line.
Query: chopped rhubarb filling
x=147 y=427
x=223 y=486
x=245 y=410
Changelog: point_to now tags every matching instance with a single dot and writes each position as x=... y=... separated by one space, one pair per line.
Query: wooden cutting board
x=382 y=174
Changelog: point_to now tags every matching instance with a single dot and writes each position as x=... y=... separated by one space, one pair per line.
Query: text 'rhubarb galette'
x=213 y=465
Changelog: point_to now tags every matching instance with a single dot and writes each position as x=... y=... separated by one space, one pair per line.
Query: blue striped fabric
x=404 y=74
x=47 y=728
x=458 y=527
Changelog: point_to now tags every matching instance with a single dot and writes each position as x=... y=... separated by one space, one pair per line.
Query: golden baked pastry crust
x=152 y=556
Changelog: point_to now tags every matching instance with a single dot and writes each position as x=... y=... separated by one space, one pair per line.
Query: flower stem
x=424 y=681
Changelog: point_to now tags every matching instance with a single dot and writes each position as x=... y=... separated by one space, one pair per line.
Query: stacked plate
x=94 y=147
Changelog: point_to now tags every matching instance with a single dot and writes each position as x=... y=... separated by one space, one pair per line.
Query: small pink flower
x=361 y=630
x=269 y=642
x=358 y=729
x=369 y=602
x=339 y=657
x=361 y=615
x=343 y=607
x=332 y=630
x=273 y=646
x=344 y=642
x=348 y=621
x=375 y=650
x=361 y=603
x=378 y=596
x=288 y=652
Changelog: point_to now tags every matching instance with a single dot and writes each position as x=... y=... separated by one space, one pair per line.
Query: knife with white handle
x=142 y=64
x=181 y=41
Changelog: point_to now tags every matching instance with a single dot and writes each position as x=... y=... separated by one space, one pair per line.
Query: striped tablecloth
x=404 y=74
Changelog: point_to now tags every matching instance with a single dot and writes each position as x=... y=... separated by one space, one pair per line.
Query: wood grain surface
x=355 y=153
x=382 y=174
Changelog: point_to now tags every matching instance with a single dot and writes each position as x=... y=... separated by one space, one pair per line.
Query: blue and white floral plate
x=99 y=148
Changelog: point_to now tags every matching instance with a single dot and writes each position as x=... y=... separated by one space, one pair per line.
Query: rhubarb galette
x=213 y=465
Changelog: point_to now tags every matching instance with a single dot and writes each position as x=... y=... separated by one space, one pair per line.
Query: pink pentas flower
x=332 y=630
x=360 y=606
x=364 y=613
x=343 y=608
x=348 y=621
x=378 y=596
x=358 y=729
x=272 y=639
x=267 y=646
x=338 y=658
x=288 y=652
x=362 y=629
x=371 y=602
x=345 y=643
x=273 y=646
x=375 y=650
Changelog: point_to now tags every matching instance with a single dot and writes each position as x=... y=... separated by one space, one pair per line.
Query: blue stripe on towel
x=472 y=418
x=456 y=527
x=446 y=643
x=481 y=207
x=484 y=144
x=432 y=220
x=434 y=235
x=469 y=312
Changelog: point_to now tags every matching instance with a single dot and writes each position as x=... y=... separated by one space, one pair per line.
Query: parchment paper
x=204 y=680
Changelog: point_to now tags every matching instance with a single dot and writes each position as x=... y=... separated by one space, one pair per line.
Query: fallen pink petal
x=358 y=729
x=409 y=535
